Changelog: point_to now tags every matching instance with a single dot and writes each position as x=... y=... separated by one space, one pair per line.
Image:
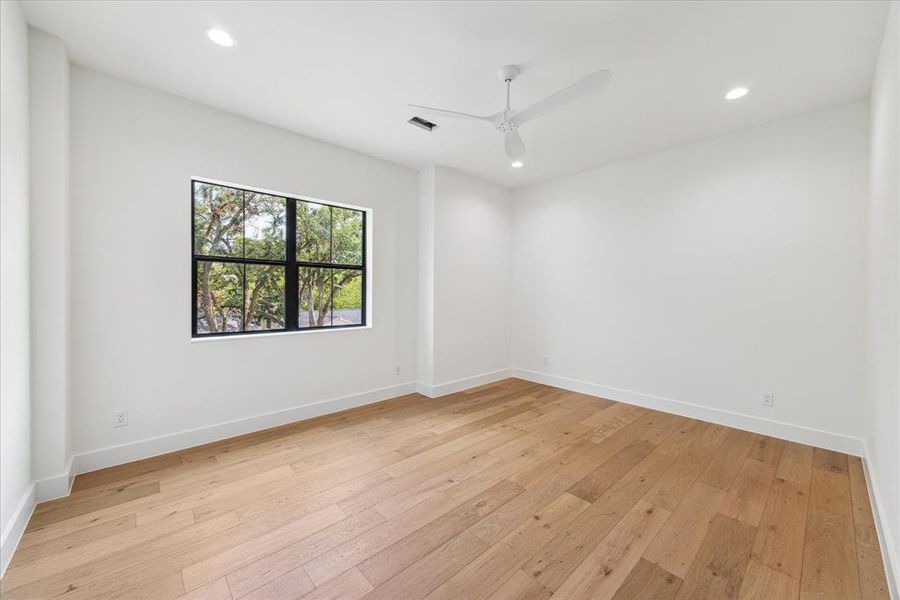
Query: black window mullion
x=243 y=264
x=319 y=265
x=331 y=297
x=244 y=297
x=291 y=283
x=243 y=261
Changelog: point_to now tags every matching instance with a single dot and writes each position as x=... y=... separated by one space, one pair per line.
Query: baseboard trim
x=889 y=551
x=459 y=385
x=14 y=530
x=794 y=433
x=125 y=453
x=56 y=486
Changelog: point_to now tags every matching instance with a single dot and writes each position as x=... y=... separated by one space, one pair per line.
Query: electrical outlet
x=545 y=361
x=768 y=399
x=120 y=418
x=396 y=369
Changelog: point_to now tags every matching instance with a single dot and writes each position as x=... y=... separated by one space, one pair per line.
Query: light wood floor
x=513 y=490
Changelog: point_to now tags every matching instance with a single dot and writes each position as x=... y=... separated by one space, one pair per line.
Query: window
x=264 y=262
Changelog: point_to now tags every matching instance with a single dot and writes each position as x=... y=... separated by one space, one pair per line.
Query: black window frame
x=291 y=275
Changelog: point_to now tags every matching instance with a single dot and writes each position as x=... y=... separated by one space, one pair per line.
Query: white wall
x=882 y=416
x=707 y=274
x=425 y=337
x=134 y=151
x=15 y=427
x=49 y=166
x=465 y=276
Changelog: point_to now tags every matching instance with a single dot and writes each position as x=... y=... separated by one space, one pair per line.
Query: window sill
x=264 y=334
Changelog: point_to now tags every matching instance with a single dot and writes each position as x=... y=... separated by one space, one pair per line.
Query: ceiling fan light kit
x=508 y=121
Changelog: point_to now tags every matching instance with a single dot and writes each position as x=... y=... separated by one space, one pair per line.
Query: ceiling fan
x=508 y=121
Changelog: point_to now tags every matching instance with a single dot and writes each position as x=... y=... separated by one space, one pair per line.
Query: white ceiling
x=344 y=72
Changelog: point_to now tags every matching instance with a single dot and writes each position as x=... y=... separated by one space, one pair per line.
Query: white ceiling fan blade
x=564 y=97
x=515 y=147
x=440 y=112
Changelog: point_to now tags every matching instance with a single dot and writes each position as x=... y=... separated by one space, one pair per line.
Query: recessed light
x=738 y=92
x=517 y=164
x=219 y=37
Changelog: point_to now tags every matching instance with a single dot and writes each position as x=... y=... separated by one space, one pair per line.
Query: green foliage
x=218 y=221
x=347 y=289
x=220 y=291
x=347 y=236
x=264 y=226
x=264 y=301
x=313 y=232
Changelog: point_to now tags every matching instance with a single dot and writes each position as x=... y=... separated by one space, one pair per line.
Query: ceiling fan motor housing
x=508 y=73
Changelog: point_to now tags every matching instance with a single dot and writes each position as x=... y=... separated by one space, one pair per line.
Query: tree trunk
x=324 y=304
x=206 y=295
x=254 y=297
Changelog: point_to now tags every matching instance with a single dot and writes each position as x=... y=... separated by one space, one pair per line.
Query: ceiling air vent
x=422 y=123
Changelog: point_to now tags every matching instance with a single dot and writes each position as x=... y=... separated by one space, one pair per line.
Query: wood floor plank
x=521 y=587
x=562 y=554
x=66 y=512
x=280 y=562
x=36 y=550
x=830 y=567
x=726 y=464
x=428 y=478
x=873 y=583
x=57 y=563
x=762 y=583
x=565 y=452
x=594 y=484
x=640 y=422
x=662 y=425
x=872 y=577
x=167 y=587
x=613 y=419
x=679 y=541
x=605 y=569
x=829 y=460
x=299 y=499
x=402 y=553
x=209 y=478
x=144 y=563
x=115 y=488
x=747 y=497
x=219 y=565
x=509 y=490
x=123 y=472
x=648 y=581
x=463 y=444
x=349 y=585
x=423 y=576
x=483 y=575
x=782 y=528
x=718 y=570
x=287 y=586
x=795 y=463
x=494 y=527
x=215 y=590
x=351 y=553
x=859 y=494
x=767 y=449
x=690 y=463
